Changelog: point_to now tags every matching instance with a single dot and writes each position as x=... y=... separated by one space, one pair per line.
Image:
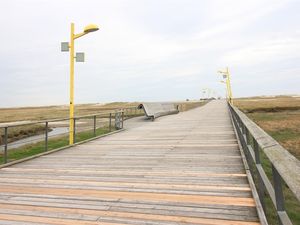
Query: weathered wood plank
x=131 y=195
x=180 y=169
x=92 y=215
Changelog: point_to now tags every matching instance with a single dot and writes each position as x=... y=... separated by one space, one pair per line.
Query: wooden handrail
x=286 y=164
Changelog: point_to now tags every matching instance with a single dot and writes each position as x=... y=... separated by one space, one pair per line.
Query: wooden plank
x=116 y=214
x=131 y=195
x=78 y=222
x=179 y=173
x=44 y=220
x=166 y=209
x=181 y=169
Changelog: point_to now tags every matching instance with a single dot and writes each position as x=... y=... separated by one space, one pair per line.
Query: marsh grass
x=62 y=111
x=20 y=132
x=185 y=106
x=268 y=104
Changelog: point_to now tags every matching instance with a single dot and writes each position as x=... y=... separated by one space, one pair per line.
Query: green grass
x=266 y=116
x=53 y=143
x=284 y=134
x=90 y=134
x=284 y=127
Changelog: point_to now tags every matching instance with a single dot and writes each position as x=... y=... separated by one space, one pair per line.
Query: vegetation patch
x=20 y=132
x=188 y=105
x=283 y=125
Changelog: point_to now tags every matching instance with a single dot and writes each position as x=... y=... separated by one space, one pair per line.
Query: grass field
x=280 y=118
x=53 y=112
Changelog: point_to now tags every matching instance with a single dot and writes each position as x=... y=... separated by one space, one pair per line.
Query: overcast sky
x=147 y=50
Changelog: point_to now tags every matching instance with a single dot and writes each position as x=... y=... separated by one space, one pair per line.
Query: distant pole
x=229 y=86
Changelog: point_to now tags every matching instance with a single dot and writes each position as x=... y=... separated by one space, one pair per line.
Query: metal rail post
x=122 y=120
x=5 y=144
x=94 y=126
x=46 y=136
x=74 y=130
x=109 y=121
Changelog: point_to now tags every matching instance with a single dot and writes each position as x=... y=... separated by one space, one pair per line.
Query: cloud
x=146 y=50
x=265 y=51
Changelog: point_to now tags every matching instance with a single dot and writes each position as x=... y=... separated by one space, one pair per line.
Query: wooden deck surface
x=179 y=169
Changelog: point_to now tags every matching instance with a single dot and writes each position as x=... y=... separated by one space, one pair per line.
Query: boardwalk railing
x=130 y=112
x=285 y=168
x=20 y=140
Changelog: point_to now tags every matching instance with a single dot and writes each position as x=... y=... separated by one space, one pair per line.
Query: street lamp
x=65 y=47
x=226 y=76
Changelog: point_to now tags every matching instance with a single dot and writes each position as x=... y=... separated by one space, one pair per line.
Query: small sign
x=79 y=56
x=65 y=46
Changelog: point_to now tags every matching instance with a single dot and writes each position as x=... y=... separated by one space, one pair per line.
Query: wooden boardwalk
x=179 y=169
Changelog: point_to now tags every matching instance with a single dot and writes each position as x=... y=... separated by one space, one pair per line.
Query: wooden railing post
x=278 y=192
x=247 y=136
x=261 y=187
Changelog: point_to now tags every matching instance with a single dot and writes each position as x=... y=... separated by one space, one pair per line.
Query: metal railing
x=130 y=112
x=56 y=129
x=285 y=168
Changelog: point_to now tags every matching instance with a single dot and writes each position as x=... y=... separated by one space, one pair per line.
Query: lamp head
x=91 y=28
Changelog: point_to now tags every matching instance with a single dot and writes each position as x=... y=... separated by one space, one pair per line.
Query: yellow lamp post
x=226 y=75
x=79 y=58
